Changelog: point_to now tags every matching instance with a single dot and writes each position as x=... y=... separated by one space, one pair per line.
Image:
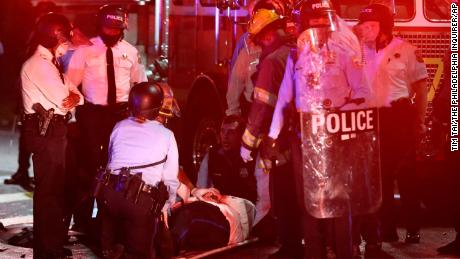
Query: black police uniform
x=230 y=175
x=44 y=131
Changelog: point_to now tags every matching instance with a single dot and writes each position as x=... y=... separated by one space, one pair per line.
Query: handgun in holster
x=123 y=180
x=134 y=187
x=45 y=117
x=102 y=180
x=160 y=198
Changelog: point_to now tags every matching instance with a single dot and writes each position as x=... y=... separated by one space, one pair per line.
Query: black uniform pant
x=131 y=225
x=95 y=124
x=397 y=136
x=285 y=206
x=50 y=176
x=319 y=233
x=23 y=158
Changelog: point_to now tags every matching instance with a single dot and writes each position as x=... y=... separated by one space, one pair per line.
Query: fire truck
x=187 y=45
x=197 y=39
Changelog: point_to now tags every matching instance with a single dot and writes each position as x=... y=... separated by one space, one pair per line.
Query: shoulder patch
x=418 y=56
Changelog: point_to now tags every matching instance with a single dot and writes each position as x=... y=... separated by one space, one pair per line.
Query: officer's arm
x=203 y=180
x=138 y=74
x=360 y=87
x=48 y=82
x=261 y=112
x=76 y=68
x=421 y=103
x=417 y=75
x=236 y=85
x=29 y=91
x=74 y=89
x=170 y=172
x=285 y=96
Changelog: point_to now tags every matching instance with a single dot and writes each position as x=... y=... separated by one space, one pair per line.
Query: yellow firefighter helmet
x=261 y=19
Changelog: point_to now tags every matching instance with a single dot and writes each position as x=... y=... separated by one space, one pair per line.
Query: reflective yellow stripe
x=250 y=140
x=265 y=96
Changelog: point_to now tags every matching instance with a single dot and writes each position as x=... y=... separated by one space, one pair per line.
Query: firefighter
x=106 y=71
x=398 y=73
x=244 y=62
x=48 y=97
x=267 y=29
x=140 y=183
x=323 y=73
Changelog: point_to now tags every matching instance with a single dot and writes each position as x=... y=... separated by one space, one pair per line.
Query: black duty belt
x=56 y=117
x=132 y=187
x=114 y=179
x=401 y=102
x=120 y=107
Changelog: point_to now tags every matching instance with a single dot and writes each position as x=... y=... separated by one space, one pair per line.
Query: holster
x=101 y=181
x=132 y=187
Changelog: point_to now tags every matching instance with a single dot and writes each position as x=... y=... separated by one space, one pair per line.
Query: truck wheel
x=200 y=130
x=206 y=136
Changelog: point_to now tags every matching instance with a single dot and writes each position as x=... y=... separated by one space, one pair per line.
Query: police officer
x=106 y=71
x=48 y=97
x=324 y=72
x=222 y=168
x=398 y=76
x=143 y=153
x=267 y=29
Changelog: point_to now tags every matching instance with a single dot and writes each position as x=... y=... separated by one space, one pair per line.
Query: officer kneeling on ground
x=140 y=182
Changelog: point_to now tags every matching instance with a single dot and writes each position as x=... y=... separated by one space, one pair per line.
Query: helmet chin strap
x=147 y=114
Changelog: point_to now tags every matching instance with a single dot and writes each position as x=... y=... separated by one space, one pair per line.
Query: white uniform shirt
x=392 y=70
x=133 y=144
x=341 y=79
x=42 y=84
x=88 y=66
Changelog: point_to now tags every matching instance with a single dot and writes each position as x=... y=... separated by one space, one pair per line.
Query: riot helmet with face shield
x=317 y=20
x=145 y=100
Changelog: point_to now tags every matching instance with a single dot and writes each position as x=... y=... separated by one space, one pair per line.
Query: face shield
x=318 y=30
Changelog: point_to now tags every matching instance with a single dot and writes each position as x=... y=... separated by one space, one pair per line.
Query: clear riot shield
x=340 y=146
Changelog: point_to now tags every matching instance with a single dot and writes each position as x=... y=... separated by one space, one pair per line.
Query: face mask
x=62 y=49
x=110 y=40
x=47 y=41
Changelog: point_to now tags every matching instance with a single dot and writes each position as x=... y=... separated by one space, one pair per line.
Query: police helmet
x=52 y=28
x=112 y=16
x=145 y=100
x=378 y=13
x=314 y=9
